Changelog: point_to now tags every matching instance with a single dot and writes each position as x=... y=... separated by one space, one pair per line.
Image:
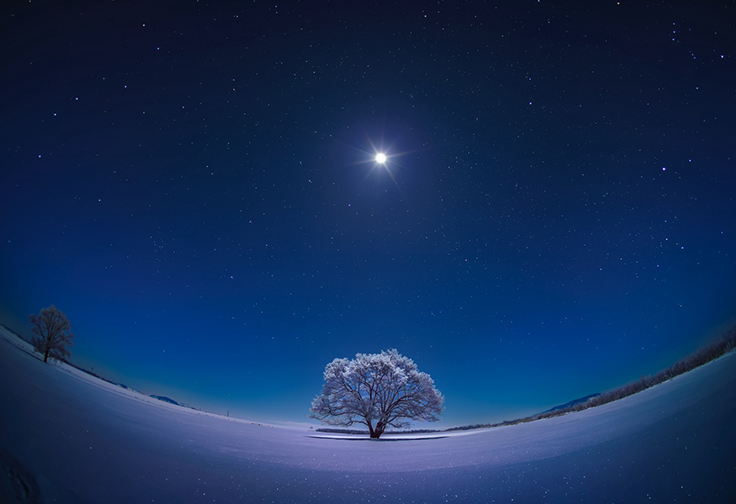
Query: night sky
x=194 y=184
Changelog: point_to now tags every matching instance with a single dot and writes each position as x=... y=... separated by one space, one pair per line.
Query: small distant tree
x=54 y=333
x=377 y=390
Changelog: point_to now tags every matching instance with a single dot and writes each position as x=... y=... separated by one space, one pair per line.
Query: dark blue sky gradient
x=193 y=185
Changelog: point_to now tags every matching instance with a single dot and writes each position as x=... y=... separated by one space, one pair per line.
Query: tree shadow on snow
x=380 y=440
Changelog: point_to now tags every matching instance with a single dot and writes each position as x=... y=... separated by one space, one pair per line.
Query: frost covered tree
x=54 y=333
x=377 y=390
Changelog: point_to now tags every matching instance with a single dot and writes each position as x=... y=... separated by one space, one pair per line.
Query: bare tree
x=54 y=331
x=377 y=390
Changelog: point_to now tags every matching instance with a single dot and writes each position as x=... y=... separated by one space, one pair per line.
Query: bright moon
x=380 y=158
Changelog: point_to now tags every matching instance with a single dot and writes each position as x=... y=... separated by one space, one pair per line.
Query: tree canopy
x=377 y=390
x=54 y=331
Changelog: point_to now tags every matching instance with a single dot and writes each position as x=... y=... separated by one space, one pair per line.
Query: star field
x=195 y=185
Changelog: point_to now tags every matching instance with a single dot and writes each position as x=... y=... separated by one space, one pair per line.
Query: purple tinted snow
x=88 y=441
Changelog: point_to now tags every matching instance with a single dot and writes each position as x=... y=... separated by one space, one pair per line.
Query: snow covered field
x=73 y=438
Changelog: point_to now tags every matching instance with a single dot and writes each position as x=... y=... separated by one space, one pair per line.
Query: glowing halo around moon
x=381 y=158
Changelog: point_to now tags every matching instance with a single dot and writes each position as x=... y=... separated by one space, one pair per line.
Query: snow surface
x=70 y=437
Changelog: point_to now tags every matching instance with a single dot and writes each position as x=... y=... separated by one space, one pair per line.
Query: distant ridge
x=570 y=404
x=166 y=399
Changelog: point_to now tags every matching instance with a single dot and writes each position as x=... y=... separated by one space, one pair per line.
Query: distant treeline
x=725 y=344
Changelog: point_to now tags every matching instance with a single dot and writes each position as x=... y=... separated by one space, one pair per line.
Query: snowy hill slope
x=72 y=438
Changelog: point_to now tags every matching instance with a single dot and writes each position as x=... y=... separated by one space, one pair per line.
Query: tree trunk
x=376 y=433
x=46 y=355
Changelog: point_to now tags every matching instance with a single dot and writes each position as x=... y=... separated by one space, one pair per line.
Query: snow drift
x=69 y=437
